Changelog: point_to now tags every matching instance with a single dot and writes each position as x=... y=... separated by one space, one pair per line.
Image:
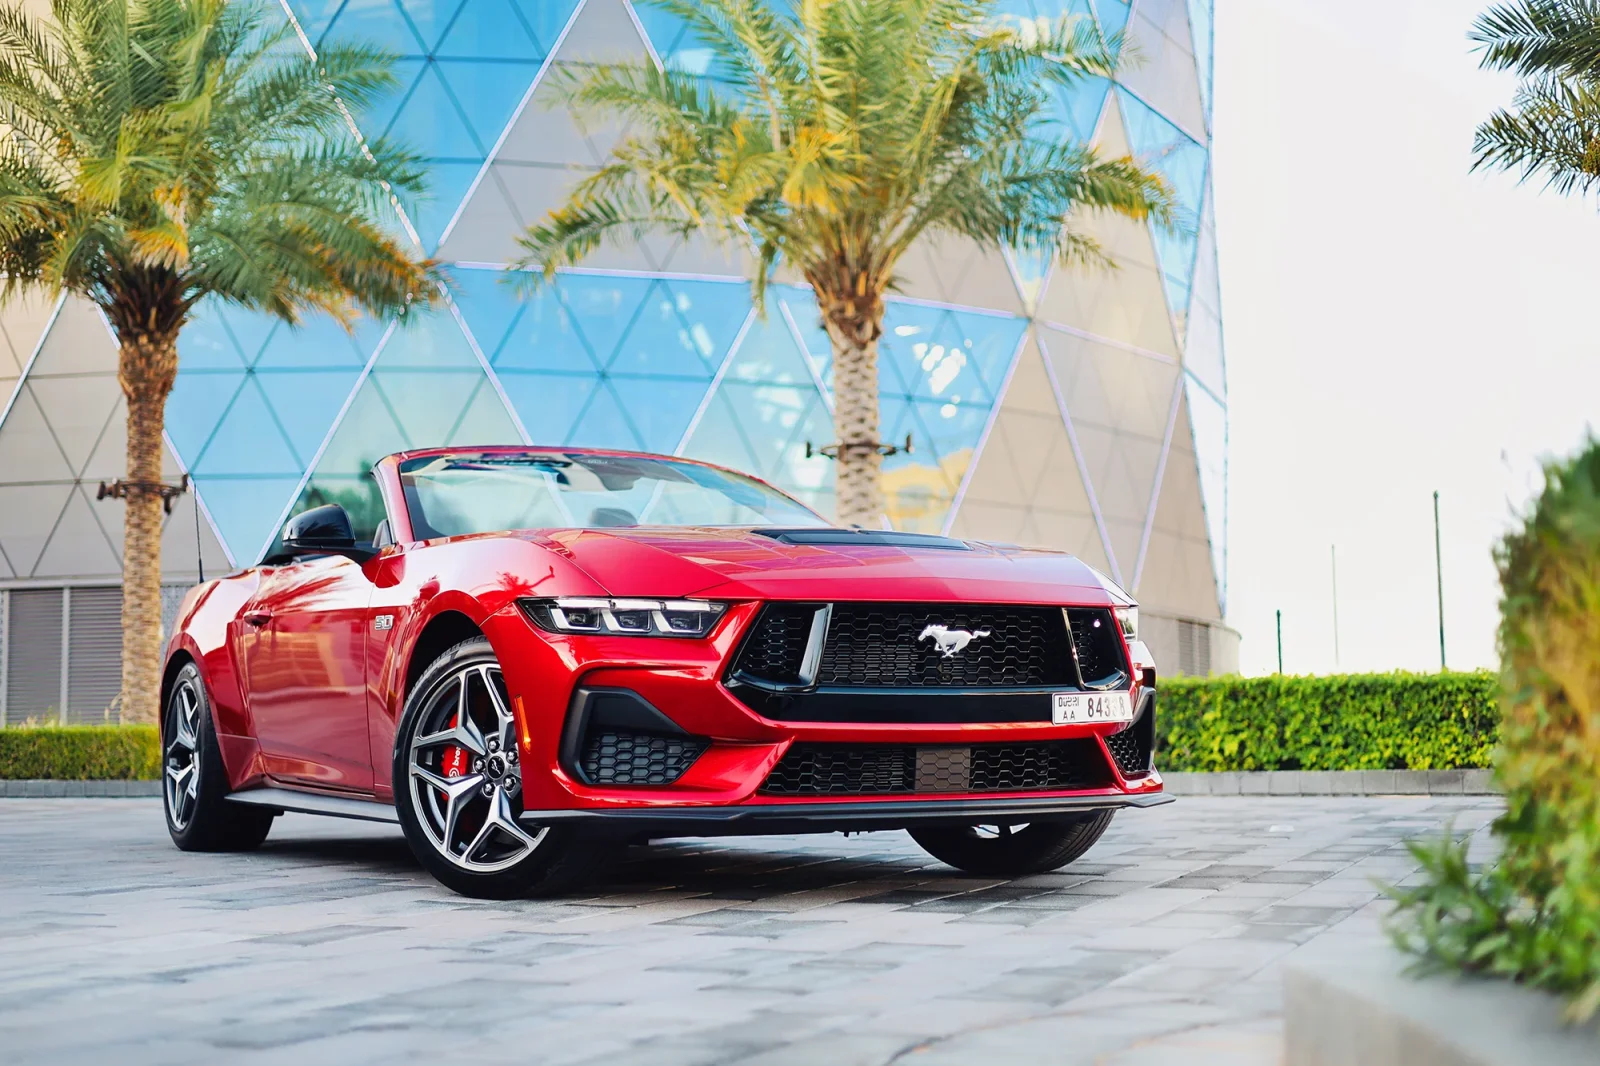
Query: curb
x=78 y=789
x=1333 y=783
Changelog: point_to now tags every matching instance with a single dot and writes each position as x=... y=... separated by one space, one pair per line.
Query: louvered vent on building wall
x=33 y=655
x=1194 y=648
x=94 y=649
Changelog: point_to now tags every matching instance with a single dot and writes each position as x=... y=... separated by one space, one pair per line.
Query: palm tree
x=841 y=133
x=1553 y=126
x=163 y=152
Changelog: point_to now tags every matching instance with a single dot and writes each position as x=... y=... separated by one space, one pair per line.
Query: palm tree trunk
x=854 y=324
x=147 y=367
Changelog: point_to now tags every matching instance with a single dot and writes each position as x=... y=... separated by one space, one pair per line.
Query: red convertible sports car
x=541 y=654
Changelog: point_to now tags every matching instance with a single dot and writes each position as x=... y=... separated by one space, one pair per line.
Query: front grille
x=618 y=758
x=883 y=646
x=1094 y=634
x=875 y=769
x=776 y=647
x=1134 y=747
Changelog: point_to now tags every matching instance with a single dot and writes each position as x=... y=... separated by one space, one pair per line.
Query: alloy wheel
x=465 y=777
x=181 y=771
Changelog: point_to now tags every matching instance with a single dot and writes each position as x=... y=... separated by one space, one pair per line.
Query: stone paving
x=331 y=946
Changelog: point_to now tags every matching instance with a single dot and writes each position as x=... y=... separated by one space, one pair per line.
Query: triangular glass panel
x=430 y=123
x=206 y=344
x=429 y=404
x=544 y=338
x=194 y=408
x=1200 y=27
x=430 y=19
x=683 y=328
x=603 y=425
x=248 y=441
x=1113 y=15
x=432 y=340
x=659 y=408
x=306 y=403
x=603 y=306
x=546 y=20
x=719 y=438
x=494 y=29
x=799 y=308
x=487 y=92
x=367 y=432
x=358 y=494
x=447 y=186
x=1183 y=162
x=378 y=23
x=678 y=47
x=320 y=342
x=490 y=305
x=314 y=16
x=485 y=421
x=548 y=404
x=246 y=511
x=769 y=355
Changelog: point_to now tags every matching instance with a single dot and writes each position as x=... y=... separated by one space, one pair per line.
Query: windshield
x=448 y=495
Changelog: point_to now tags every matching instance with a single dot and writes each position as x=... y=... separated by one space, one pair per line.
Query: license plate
x=1087 y=708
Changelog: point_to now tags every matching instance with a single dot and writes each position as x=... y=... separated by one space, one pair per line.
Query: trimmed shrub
x=1534 y=915
x=1342 y=722
x=81 y=753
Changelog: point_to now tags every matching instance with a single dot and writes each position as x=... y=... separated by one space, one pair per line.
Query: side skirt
x=286 y=799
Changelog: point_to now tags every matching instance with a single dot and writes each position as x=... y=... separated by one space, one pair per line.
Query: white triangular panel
x=1203 y=354
x=487 y=230
x=603 y=32
x=27 y=515
x=22 y=322
x=1178 y=568
x=1209 y=419
x=77 y=408
x=78 y=342
x=1165 y=75
x=78 y=546
x=28 y=450
x=953 y=270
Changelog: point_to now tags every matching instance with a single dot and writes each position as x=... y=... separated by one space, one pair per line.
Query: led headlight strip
x=636 y=618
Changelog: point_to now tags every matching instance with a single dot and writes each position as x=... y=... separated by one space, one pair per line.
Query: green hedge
x=1393 y=721
x=81 y=753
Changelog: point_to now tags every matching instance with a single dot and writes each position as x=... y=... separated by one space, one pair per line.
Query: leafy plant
x=163 y=152
x=1395 y=721
x=836 y=135
x=80 y=753
x=1553 y=126
x=1534 y=914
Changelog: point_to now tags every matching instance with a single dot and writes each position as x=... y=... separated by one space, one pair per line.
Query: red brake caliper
x=455 y=761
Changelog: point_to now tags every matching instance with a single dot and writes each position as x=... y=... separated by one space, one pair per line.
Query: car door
x=300 y=644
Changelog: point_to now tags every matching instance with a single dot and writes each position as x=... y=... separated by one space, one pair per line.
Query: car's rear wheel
x=1013 y=850
x=458 y=787
x=194 y=782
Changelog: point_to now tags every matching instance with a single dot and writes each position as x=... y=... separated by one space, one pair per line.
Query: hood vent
x=867 y=538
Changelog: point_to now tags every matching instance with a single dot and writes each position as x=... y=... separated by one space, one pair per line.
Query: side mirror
x=324 y=530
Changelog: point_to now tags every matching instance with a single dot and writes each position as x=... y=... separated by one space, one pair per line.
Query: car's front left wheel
x=458 y=787
x=194 y=782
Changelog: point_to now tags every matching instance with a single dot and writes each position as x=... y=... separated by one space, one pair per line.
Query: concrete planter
x=1351 y=1005
x=89 y=789
x=1332 y=783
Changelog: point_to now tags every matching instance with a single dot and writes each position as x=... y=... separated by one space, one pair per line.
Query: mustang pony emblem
x=950 y=642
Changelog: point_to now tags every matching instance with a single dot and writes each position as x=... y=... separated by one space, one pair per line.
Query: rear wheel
x=194 y=782
x=1013 y=850
x=458 y=787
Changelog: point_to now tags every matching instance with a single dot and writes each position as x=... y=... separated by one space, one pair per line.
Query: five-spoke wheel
x=181 y=770
x=194 y=779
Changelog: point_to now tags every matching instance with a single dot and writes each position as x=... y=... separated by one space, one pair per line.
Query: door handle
x=258 y=618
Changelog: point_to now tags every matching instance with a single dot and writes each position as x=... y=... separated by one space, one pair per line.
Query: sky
x=1395 y=325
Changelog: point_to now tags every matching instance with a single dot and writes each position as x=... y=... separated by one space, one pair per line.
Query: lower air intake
x=1133 y=749
x=617 y=758
x=877 y=769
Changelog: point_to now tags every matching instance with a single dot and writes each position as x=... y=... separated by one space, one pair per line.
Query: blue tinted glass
x=428 y=404
x=1200 y=27
x=490 y=305
x=487 y=93
x=492 y=29
x=248 y=441
x=314 y=15
x=1113 y=15
x=602 y=424
x=320 y=341
x=1160 y=144
x=1077 y=107
x=205 y=342
x=484 y=421
x=429 y=123
x=377 y=116
x=603 y=307
x=544 y=338
x=447 y=186
x=246 y=510
x=683 y=328
x=659 y=408
x=377 y=23
x=428 y=19
x=953 y=429
x=306 y=402
x=547 y=19
x=367 y=432
x=799 y=306
x=990 y=342
x=769 y=354
x=194 y=408
x=719 y=438
x=548 y=404
x=431 y=340
x=954 y=357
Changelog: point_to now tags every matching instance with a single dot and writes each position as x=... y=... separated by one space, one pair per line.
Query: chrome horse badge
x=951 y=642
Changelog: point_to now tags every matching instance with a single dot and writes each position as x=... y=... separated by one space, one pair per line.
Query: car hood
x=744 y=564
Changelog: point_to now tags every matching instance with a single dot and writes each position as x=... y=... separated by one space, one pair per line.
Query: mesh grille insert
x=891 y=646
x=776 y=647
x=618 y=758
x=872 y=769
x=1094 y=633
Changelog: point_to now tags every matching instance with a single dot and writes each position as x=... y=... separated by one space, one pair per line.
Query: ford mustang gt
x=537 y=655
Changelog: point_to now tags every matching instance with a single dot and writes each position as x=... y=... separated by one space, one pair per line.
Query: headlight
x=1128 y=619
x=638 y=618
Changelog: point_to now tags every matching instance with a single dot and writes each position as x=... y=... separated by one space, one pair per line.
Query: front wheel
x=458 y=787
x=194 y=783
x=1013 y=850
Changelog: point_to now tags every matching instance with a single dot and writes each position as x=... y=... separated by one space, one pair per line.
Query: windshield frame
x=390 y=477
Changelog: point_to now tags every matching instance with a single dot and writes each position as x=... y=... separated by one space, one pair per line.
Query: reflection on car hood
x=745 y=564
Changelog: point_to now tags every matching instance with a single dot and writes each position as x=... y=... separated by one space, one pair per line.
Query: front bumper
x=858 y=816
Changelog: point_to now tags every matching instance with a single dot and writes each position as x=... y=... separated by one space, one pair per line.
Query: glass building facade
x=1076 y=409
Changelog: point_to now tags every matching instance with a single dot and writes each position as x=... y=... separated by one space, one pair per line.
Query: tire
x=194 y=782
x=458 y=787
x=1013 y=851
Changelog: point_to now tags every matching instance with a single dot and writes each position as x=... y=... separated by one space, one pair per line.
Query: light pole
x=1438 y=572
